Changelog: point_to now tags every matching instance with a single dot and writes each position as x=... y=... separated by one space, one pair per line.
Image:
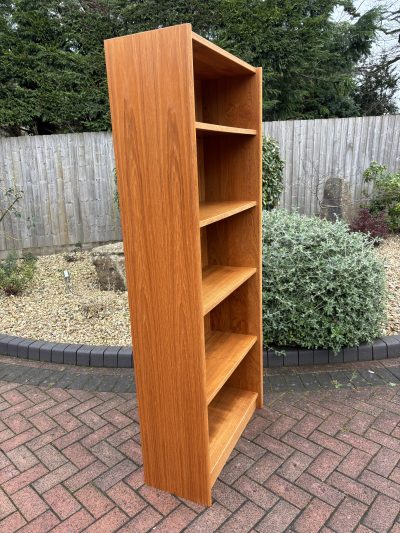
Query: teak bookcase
x=186 y=119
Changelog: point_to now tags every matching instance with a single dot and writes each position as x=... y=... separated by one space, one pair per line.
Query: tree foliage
x=377 y=86
x=272 y=173
x=52 y=71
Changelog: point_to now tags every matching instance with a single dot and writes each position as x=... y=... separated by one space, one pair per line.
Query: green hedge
x=323 y=287
x=272 y=173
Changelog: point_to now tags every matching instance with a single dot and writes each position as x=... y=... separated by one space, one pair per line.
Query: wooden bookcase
x=186 y=119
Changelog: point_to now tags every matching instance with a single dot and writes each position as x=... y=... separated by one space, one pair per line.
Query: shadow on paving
x=295 y=379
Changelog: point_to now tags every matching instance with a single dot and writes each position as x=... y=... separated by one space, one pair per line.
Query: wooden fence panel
x=69 y=189
x=315 y=150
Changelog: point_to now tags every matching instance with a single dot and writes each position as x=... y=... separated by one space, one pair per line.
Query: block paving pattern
x=320 y=460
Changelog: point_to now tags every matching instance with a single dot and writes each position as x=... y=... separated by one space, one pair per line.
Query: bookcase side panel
x=150 y=78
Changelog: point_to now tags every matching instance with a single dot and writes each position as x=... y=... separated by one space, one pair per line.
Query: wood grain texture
x=236 y=241
x=155 y=147
x=229 y=101
x=211 y=61
x=203 y=128
x=220 y=281
x=224 y=352
x=197 y=387
x=214 y=211
x=228 y=415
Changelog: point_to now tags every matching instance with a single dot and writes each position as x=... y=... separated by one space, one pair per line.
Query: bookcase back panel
x=239 y=313
x=225 y=242
x=247 y=375
x=227 y=101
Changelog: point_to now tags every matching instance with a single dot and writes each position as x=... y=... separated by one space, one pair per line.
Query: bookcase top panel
x=211 y=61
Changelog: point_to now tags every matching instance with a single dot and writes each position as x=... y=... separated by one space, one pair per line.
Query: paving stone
x=384 y=462
x=70 y=354
x=379 y=349
x=313 y=517
x=321 y=357
x=45 y=351
x=306 y=357
x=125 y=357
x=310 y=382
x=316 y=459
x=97 y=356
x=57 y=352
x=382 y=514
x=83 y=355
x=365 y=352
x=347 y=515
x=93 y=500
x=279 y=518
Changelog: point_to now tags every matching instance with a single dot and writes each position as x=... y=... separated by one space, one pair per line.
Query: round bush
x=323 y=287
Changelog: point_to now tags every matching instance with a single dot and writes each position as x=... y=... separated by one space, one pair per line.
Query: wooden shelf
x=228 y=415
x=210 y=61
x=220 y=281
x=224 y=352
x=203 y=128
x=213 y=211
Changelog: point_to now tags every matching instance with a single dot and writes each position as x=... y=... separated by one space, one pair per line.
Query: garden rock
x=109 y=262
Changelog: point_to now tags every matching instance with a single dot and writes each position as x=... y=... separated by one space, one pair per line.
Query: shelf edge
x=220 y=462
x=219 y=128
x=210 y=220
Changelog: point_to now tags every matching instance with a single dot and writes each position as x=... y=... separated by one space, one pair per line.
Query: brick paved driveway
x=319 y=460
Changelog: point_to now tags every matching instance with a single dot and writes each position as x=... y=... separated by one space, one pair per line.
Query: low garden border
x=121 y=356
x=68 y=354
x=381 y=348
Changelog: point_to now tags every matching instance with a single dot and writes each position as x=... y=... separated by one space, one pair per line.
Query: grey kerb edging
x=69 y=354
x=382 y=348
x=121 y=356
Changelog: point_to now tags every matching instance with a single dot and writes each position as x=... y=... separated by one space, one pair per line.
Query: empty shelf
x=224 y=352
x=228 y=415
x=213 y=211
x=220 y=281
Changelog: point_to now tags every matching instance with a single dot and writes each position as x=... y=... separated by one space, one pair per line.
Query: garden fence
x=69 y=191
x=315 y=150
x=69 y=187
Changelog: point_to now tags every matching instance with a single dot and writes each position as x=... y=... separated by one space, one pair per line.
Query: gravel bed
x=389 y=250
x=79 y=312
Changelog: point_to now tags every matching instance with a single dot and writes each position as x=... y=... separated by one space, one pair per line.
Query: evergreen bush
x=323 y=286
x=272 y=172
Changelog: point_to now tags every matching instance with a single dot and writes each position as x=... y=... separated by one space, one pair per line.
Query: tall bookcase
x=186 y=119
